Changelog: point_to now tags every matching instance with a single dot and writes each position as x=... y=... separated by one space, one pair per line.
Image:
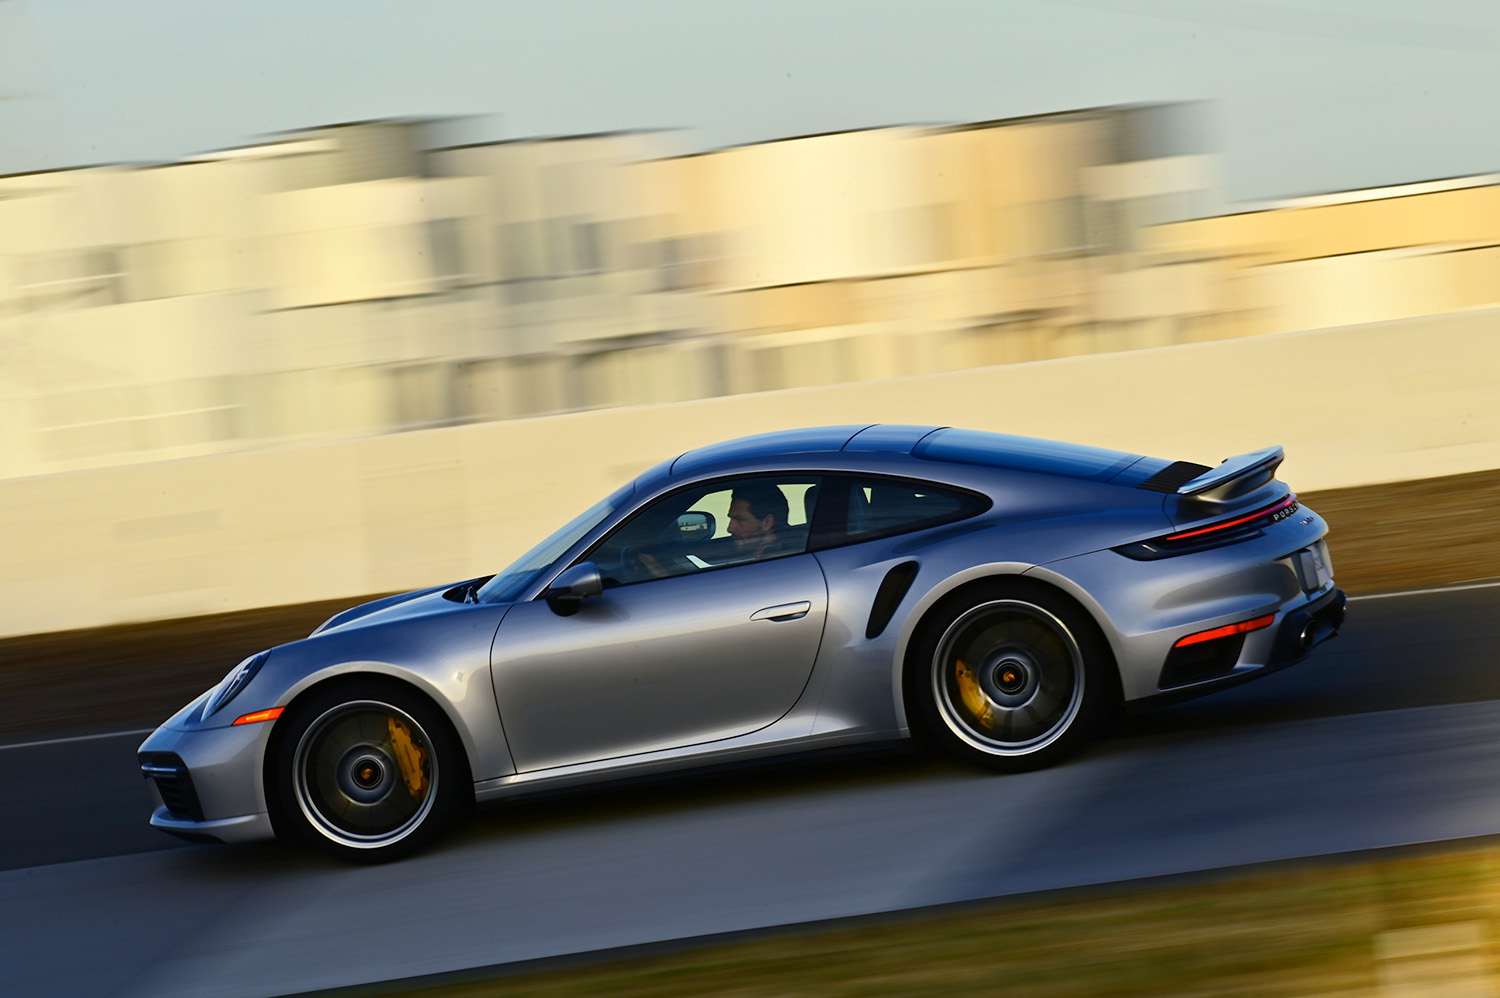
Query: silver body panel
x=664 y=665
x=767 y=657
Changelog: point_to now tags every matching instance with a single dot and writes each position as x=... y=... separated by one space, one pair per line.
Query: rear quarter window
x=865 y=508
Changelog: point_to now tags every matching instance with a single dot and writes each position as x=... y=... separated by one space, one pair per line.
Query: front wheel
x=1012 y=677
x=368 y=773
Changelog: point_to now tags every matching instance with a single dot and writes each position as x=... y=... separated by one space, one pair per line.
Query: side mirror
x=694 y=527
x=572 y=587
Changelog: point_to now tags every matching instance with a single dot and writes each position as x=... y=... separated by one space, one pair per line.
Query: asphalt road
x=1386 y=736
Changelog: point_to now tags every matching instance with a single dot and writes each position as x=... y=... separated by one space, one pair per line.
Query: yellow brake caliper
x=975 y=702
x=410 y=756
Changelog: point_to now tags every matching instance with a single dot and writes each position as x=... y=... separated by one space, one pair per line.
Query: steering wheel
x=640 y=565
x=634 y=563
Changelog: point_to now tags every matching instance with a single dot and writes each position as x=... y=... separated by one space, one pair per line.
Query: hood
x=402 y=606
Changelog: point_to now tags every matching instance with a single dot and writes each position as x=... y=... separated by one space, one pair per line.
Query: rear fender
x=911 y=625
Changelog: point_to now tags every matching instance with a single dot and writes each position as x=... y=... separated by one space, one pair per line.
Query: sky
x=1303 y=97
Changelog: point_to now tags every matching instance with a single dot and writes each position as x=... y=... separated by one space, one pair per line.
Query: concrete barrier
x=1355 y=405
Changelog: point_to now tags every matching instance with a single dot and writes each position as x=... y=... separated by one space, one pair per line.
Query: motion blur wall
x=334 y=287
x=351 y=280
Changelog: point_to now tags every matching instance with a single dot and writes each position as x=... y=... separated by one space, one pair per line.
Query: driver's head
x=756 y=509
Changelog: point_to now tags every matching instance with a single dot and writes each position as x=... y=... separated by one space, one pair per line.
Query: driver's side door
x=695 y=648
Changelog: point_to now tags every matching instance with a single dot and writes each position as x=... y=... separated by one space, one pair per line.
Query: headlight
x=239 y=677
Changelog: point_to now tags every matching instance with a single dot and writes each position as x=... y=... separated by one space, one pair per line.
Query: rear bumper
x=1300 y=631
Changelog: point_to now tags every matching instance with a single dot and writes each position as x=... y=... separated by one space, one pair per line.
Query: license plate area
x=1314 y=566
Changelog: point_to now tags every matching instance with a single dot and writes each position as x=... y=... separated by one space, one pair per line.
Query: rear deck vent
x=1173 y=476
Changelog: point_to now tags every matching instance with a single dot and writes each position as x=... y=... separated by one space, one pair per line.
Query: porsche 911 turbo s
x=1000 y=595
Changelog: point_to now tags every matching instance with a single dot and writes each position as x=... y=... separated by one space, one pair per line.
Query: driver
x=756 y=509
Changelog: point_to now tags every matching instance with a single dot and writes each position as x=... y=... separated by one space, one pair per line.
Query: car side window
x=868 y=508
x=709 y=526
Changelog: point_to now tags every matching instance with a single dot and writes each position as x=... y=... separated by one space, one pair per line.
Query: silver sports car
x=1000 y=595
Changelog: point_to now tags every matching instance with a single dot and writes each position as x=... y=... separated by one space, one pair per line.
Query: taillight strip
x=1284 y=502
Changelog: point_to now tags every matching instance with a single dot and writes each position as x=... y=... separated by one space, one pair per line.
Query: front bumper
x=243 y=828
x=206 y=784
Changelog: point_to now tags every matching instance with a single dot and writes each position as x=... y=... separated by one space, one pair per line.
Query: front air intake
x=174 y=783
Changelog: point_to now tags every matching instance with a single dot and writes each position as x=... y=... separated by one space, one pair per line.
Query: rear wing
x=1236 y=477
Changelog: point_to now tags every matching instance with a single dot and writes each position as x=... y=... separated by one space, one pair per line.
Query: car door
x=702 y=653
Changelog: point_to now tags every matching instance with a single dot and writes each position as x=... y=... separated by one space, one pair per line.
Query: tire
x=1012 y=677
x=368 y=771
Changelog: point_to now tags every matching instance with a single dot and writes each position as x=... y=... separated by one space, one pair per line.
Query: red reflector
x=1271 y=510
x=270 y=714
x=1218 y=632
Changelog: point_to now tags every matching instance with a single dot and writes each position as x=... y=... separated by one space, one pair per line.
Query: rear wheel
x=1013 y=678
x=368 y=772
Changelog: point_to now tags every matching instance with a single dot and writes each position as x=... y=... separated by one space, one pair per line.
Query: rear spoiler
x=1236 y=476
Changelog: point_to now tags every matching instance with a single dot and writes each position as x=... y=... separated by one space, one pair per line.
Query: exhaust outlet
x=1304 y=627
x=1335 y=614
x=1308 y=635
x=1299 y=632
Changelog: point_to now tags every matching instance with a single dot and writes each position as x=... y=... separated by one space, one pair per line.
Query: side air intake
x=889 y=596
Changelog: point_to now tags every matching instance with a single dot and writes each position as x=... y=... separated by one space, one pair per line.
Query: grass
x=1361 y=927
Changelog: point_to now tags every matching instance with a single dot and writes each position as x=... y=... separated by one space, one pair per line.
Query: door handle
x=786 y=611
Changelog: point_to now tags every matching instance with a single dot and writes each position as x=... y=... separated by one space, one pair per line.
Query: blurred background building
x=362 y=279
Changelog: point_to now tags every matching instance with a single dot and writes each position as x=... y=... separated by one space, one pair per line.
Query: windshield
x=524 y=571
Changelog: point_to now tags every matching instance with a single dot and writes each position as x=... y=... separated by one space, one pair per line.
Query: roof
x=1033 y=454
x=931 y=443
x=811 y=440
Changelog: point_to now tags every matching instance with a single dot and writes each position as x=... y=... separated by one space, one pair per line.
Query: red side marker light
x=1218 y=632
x=269 y=714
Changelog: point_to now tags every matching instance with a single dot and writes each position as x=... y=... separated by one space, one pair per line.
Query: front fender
x=446 y=657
